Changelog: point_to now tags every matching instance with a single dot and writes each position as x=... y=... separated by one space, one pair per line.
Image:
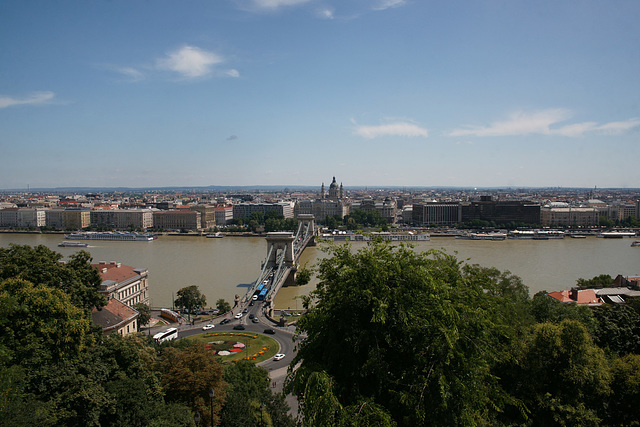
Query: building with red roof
x=126 y=284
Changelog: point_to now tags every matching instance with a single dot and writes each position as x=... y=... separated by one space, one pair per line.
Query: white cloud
x=544 y=123
x=388 y=4
x=190 y=61
x=132 y=74
x=398 y=128
x=233 y=73
x=37 y=98
x=619 y=127
x=271 y=4
x=325 y=13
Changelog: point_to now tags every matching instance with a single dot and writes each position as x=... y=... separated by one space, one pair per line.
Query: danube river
x=223 y=268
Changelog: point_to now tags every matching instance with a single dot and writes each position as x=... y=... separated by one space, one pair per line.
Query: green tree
x=623 y=408
x=560 y=376
x=40 y=325
x=187 y=376
x=42 y=266
x=412 y=333
x=190 y=298
x=223 y=305
x=303 y=276
x=617 y=329
x=250 y=400
x=144 y=314
x=601 y=281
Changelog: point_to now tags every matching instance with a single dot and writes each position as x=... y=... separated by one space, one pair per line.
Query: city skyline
x=388 y=93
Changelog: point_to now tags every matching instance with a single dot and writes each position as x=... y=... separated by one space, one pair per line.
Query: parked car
x=269 y=331
x=279 y=356
x=207 y=327
x=239 y=327
x=225 y=321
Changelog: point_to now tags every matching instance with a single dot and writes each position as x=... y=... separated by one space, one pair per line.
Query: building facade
x=501 y=212
x=126 y=284
x=177 y=220
x=244 y=210
x=569 y=216
x=437 y=213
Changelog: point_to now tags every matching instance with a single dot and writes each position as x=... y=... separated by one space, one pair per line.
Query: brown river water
x=223 y=268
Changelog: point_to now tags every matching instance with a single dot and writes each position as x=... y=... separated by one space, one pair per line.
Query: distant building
x=569 y=216
x=244 y=210
x=22 y=217
x=223 y=215
x=326 y=205
x=116 y=318
x=207 y=215
x=501 y=212
x=437 y=213
x=177 y=220
x=122 y=219
x=386 y=208
x=126 y=284
x=76 y=218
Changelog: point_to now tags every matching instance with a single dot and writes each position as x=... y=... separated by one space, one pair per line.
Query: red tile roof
x=116 y=272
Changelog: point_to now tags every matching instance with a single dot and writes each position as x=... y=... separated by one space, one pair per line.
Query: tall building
x=327 y=205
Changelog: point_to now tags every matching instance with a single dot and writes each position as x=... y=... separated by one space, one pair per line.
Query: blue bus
x=263 y=294
x=259 y=289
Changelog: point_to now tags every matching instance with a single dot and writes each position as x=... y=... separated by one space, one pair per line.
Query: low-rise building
x=127 y=284
x=570 y=216
x=116 y=318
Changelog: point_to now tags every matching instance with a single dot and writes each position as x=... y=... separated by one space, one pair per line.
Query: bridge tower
x=280 y=241
x=308 y=220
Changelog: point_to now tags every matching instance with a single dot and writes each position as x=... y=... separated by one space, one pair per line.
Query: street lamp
x=212 y=393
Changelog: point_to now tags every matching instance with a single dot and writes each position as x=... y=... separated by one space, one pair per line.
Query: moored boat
x=110 y=235
x=73 y=244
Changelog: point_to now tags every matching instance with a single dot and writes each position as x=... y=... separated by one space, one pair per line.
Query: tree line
x=400 y=338
x=58 y=369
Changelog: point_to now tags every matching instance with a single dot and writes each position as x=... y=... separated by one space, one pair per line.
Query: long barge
x=110 y=235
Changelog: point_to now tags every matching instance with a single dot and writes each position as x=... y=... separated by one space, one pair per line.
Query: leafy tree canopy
x=191 y=298
x=42 y=266
x=413 y=333
x=223 y=305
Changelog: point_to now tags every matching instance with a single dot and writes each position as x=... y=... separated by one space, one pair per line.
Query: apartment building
x=177 y=220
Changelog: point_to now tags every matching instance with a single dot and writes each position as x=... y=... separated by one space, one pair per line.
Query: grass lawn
x=257 y=347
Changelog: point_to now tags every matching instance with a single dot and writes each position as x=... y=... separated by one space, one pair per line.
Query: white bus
x=169 y=334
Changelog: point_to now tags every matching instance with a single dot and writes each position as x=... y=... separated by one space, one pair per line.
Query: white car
x=239 y=315
x=278 y=356
x=207 y=327
x=255 y=297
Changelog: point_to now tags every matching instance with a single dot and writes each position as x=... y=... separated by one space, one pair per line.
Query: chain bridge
x=280 y=267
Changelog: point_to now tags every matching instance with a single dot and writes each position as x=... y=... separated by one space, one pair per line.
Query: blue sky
x=145 y=93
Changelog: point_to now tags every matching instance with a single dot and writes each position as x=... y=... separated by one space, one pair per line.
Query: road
x=283 y=335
